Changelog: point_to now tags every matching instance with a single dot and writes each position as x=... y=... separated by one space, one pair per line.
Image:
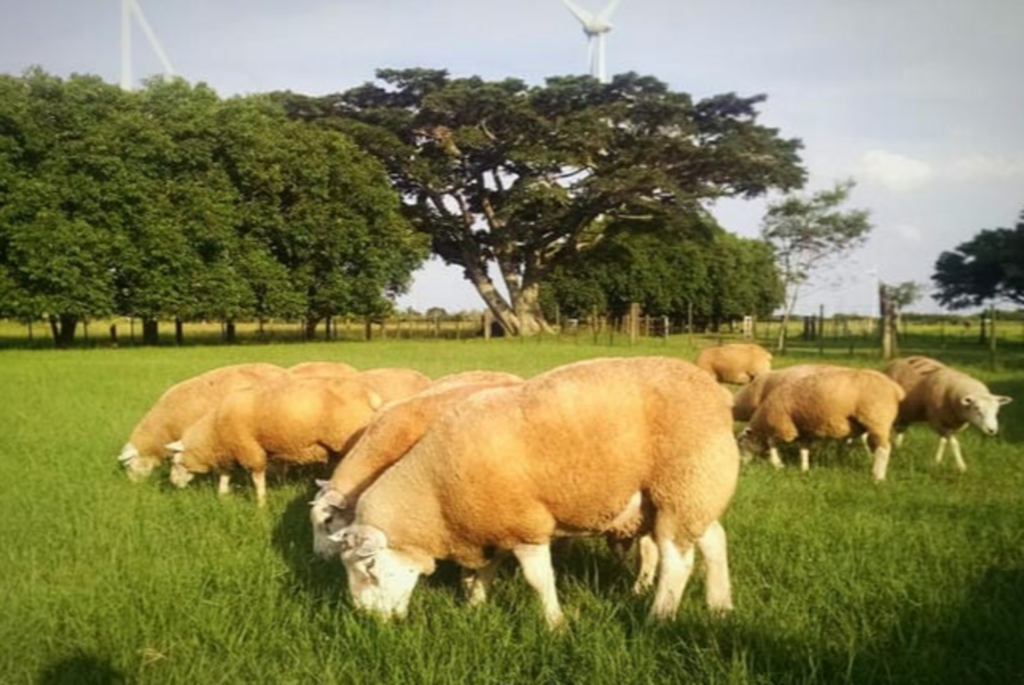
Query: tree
x=807 y=233
x=510 y=180
x=988 y=267
x=690 y=267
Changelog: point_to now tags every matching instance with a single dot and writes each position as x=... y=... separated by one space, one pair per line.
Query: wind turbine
x=595 y=26
x=129 y=8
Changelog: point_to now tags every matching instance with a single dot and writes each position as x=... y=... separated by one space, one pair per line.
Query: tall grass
x=836 y=579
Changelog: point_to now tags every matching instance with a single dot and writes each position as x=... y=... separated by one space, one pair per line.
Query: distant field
x=836 y=579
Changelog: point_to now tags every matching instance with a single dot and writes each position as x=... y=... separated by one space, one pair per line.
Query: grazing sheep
x=296 y=420
x=837 y=404
x=181 y=406
x=322 y=369
x=947 y=399
x=394 y=383
x=736 y=363
x=393 y=431
x=751 y=395
x=628 y=446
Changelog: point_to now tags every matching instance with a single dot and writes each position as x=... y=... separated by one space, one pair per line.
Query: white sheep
x=750 y=396
x=295 y=420
x=392 y=432
x=181 y=406
x=736 y=363
x=839 y=403
x=947 y=399
x=633 y=445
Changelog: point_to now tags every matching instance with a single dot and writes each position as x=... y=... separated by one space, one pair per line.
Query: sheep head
x=983 y=411
x=136 y=466
x=181 y=474
x=380 y=579
x=330 y=512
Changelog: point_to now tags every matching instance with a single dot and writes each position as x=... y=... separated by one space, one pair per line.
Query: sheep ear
x=1003 y=399
x=360 y=541
x=176 y=446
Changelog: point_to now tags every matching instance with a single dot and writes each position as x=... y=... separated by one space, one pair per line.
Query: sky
x=920 y=102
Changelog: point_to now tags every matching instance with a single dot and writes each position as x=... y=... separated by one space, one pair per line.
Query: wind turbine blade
x=151 y=36
x=606 y=13
x=583 y=15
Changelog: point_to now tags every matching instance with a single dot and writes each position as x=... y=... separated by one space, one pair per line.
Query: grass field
x=836 y=579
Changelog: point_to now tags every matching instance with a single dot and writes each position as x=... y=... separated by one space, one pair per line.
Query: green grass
x=836 y=579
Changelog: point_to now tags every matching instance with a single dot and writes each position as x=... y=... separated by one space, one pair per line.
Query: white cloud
x=894 y=172
x=983 y=167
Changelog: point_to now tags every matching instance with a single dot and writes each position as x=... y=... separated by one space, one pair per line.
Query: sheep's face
x=380 y=579
x=750 y=444
x=180 y=475
x=329 y=515
x=983 y=411
x=136 y=466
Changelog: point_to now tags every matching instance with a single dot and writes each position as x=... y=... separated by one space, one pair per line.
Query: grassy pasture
x=836 y=579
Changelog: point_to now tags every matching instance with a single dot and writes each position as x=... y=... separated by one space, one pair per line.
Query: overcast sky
x=921 y=102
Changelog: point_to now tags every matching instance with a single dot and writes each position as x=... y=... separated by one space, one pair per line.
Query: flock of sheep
x=476 y=466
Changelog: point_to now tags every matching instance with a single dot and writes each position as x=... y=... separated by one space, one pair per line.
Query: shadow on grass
x=81 y=669
x=980 y=642
x=323 y=579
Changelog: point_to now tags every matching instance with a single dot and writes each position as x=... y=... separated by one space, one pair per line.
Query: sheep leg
x=897 y=439
x=477 y=583
x=714 y=550
x=805 y=459
x=773 y=457
x=535 y=561
x=675 y=568
x=259 y=479
x=224 y=483
x=648 y=553
x=881 y=464
x=958 y=456
x=941 y=450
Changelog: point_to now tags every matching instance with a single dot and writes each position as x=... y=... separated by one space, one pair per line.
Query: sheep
x=736 y=363
x=322 y=369
x=393 y=431
x=947 y=399
x=750 y=396
x=181 y=406
x=296 y=420
x=625 y=445
x=840 y=403
x=393 y=383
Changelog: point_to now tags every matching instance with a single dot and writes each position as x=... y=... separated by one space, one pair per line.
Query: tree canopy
x=684 y=270
x=989 y=266
x=511 y=180
x=809 y=232
x=171 y=202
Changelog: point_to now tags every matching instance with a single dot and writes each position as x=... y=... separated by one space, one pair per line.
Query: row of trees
x=170 y=202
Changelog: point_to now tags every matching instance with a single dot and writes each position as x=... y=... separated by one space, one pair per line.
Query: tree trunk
x=179 y=331
x=150 y=331
x=63 y=329
x=310 y=330
x=230 y=332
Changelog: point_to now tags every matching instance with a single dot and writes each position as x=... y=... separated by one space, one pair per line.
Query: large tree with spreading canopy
x=510 y=180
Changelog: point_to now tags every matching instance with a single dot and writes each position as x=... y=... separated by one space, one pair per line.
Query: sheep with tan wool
x=946 y=399
x=322 y=369
x=750 y=396
x=839 y=403
x=736 y=363
x=605 y=445
x=179 y=407
x=392 y=432
x=292 y=420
